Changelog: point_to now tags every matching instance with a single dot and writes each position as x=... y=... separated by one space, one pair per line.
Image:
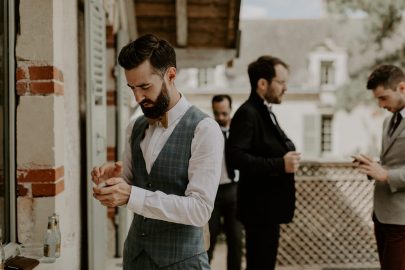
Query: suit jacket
x=266 y=193
x=389 y=197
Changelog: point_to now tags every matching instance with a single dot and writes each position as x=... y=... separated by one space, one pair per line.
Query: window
x=317 y=132
x=326 y=133
x=327 y=73
x=205 y=76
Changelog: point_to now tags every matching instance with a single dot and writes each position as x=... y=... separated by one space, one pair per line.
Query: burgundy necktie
x=395 y=123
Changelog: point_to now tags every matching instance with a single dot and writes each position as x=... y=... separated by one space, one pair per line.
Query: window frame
x=326 y=118
x=9 y=138
x=329 y=66
x=206 y=76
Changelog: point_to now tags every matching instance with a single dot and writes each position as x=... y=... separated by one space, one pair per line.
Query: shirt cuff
x=136 y=200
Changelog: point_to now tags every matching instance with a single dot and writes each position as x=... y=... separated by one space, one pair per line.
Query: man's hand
x=292 y=161
x=115 y=193
x=106 y=171
x=370 y=167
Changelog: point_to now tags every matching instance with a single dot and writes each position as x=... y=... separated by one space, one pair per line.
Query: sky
x=281 y=9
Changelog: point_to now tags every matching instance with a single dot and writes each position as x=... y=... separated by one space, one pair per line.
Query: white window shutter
x=312 y=136
x=96 y=128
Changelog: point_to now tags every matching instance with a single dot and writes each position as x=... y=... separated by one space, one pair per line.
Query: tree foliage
x=384 y=33
x=383 y=16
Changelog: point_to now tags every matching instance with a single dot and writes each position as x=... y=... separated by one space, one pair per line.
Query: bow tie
x=162 y=119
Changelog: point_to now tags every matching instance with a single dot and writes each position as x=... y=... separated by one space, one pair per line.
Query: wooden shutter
x=96 y=128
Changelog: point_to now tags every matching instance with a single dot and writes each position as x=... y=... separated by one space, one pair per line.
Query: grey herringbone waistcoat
x=165 y=242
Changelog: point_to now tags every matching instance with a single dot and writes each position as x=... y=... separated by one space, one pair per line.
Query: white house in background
x=321 y=54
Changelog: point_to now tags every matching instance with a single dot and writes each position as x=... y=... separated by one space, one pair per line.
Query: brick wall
x=40 y=169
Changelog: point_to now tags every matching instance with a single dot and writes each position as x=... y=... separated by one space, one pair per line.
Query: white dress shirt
x=195 y=207
x=224 y=172
x=269 y=108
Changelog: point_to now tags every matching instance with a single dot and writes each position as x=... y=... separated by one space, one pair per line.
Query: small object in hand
x=355 y=160
x=102 y=184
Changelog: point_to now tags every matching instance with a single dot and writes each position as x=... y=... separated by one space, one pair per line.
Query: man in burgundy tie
x=388 y=85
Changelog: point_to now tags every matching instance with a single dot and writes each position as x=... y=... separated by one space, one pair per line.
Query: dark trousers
x=391 y=245
x=225 y=209
x=261 y=246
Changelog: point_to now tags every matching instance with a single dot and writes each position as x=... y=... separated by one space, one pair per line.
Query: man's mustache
x=147 y=101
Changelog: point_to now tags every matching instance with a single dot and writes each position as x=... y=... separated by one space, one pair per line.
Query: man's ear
x=261 y=86
x=401 y=87
x=262 y=83
x=171 y=74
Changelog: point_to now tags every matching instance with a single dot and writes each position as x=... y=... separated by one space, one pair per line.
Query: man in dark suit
x=223 y=216
x=388 y=85
x=267 y=161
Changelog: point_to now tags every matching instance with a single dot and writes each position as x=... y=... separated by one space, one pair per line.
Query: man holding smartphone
x=171 y=167
x=388 y=85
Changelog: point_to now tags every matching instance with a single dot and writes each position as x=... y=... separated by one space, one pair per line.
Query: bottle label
x=57 y=251
x=47 y=251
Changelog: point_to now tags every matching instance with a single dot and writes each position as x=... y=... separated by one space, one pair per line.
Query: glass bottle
x=58 y=235
x=50 y=242
x=2 y=252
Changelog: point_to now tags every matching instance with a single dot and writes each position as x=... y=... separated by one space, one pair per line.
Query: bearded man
x=171 y=168
x=266 y=159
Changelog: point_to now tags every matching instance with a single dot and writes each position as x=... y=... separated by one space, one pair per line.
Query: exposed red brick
x=41 y=72
x=59 y=89
x=111 y=153
x=20 y=74
x=40 y=175
x=45 y=73
x=110 y=37
x=57 y=75
x=48 y=189
x=22 y=88
x=22 y=190
x=111 y=98
x=42 y=88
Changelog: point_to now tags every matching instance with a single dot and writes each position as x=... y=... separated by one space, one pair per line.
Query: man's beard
x=222 y=123
x=159 y=105
x=272 y=98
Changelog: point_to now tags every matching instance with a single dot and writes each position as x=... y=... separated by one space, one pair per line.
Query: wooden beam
x=182 y=23
x=233 y=23
x=131 y=19
x=153 y=9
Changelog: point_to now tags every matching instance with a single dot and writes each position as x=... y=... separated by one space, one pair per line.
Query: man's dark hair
x=219 y=98
x=263 y=68
x=387 y=76
x=148 y=47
